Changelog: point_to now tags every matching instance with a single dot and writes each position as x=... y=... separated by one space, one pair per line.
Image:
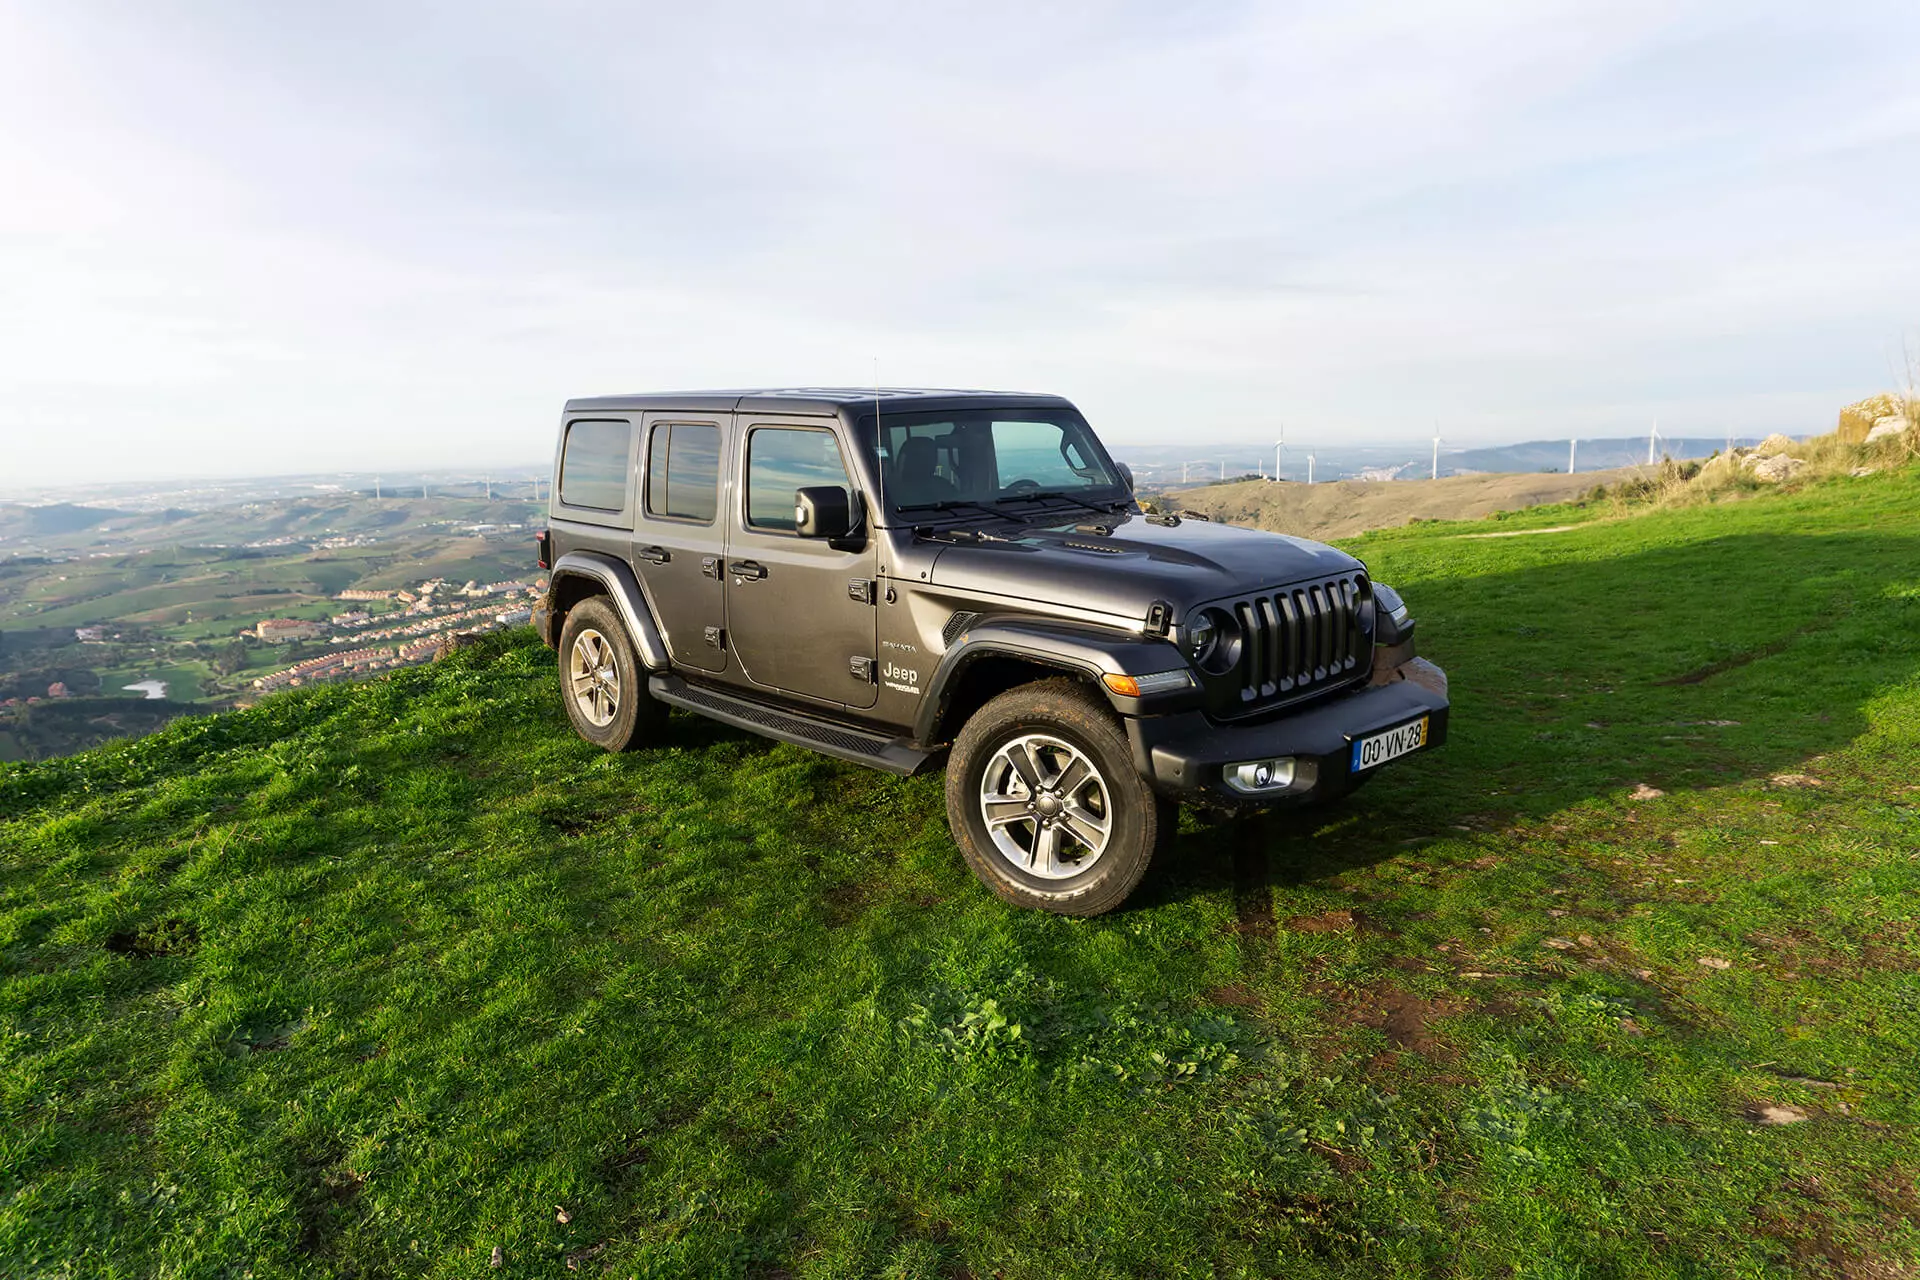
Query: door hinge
x=709 y=566
x=861 y=669
x=860 y=590
x=716 y=638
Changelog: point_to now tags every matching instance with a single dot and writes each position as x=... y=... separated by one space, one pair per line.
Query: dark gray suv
x=899 y=577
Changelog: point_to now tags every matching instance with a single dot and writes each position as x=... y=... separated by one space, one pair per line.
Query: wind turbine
x=1279 y=449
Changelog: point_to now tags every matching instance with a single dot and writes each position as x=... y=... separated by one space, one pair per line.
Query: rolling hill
x=401 y=978
x=1344 y=508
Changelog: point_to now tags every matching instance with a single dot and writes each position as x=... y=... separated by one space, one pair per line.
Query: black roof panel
x=820 y=400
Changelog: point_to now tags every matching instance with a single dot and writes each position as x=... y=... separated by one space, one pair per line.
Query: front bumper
x=1186 y=755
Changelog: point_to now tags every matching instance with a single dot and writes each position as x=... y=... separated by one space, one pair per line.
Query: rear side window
x=683 y=471
x=782 y=459
x=594 y=463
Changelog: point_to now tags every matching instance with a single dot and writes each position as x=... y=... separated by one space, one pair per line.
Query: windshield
x=985 y=457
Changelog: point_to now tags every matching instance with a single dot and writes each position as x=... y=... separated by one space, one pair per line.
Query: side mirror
x=822 y=511
x=1126 y=474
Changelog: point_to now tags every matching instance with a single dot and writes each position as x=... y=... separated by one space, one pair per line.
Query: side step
x=892 y=755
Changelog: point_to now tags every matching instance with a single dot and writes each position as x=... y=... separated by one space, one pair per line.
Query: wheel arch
x=578 y=575
x=997 y=656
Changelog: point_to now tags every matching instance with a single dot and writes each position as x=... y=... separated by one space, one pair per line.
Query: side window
x=782 y=459
x=593 y=464
x=683 y=471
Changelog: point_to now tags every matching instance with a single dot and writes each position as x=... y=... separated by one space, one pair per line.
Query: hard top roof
x=817 y=400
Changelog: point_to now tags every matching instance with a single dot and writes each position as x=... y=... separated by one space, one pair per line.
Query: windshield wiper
x=1103 y=508
x=955 y=504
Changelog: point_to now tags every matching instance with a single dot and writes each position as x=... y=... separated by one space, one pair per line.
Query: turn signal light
x=1154 y=682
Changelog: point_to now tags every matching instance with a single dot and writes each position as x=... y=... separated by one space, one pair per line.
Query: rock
x=1715 y=962
x=1886 y=428
x=1794 y=780
x=1773 y=468
x=1645 y=792
x=561 y=1216
x=1775 y=443
x=1859 y=472
x=453 y=643
x=499 y=1258
x=1558 y=944
x=1774 y=1113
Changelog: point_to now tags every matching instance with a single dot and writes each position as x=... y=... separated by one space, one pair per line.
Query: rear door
x=800 y=610
x=678 y=534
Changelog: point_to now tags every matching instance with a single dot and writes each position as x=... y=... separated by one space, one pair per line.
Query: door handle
x=655 y=555
x=747 y=569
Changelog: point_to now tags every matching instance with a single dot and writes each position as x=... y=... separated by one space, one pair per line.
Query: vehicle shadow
x=1681 y=667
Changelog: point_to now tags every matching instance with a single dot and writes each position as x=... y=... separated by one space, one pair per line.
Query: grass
x=374 y=980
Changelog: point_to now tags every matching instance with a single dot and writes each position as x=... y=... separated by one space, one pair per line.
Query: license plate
x=1394 y=743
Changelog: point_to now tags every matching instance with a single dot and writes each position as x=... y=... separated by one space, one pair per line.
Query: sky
x=239 y=238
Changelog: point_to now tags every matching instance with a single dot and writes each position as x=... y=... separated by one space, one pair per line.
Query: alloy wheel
x=1046 y=807
x=594 y=678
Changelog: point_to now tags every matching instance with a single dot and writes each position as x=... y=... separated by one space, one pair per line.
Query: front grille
x=1303 y=638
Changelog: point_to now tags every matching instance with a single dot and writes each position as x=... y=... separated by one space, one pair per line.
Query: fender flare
x=616 y=577
x=1085 y=650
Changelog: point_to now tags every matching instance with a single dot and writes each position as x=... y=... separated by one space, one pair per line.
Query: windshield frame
x=1022 y=508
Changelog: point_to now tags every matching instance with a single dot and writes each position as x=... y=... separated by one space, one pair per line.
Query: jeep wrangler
x=901 y=577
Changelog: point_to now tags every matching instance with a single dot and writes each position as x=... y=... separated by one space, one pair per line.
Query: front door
x=800 y=611
x=679 y=537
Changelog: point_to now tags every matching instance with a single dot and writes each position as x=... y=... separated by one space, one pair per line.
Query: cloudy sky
x=252 y=238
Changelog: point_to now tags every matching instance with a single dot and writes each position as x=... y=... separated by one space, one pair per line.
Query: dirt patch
x=170 y=937
x=843 y=904
x=1404 y=1017
x=326 y=1198
x=1325 y=922
x=1234 y=996
x=1742 y=659
x=573 y=822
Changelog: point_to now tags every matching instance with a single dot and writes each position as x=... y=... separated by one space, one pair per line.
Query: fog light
x=1256 y=776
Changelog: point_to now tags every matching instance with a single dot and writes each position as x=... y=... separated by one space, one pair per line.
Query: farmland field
x=174 y=608
x=399 y=978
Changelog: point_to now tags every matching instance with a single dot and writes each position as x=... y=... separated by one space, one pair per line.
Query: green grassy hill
x=375 y=980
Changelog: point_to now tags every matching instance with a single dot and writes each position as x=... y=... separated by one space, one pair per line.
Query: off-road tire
x=1141 y=823
x=636 y=716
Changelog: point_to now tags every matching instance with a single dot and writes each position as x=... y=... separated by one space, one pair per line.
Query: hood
x=1140 y=561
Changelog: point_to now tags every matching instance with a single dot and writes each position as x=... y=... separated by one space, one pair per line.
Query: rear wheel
x=1046 y=805
x=602 y=682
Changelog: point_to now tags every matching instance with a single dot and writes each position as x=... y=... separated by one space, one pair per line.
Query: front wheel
x=602 y=681
x=1046 y=805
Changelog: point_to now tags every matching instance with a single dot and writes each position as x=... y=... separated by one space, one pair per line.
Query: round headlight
x=1201 y=637
x=1213 y=641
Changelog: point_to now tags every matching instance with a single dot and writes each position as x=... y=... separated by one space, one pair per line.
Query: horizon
x=351 y=238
